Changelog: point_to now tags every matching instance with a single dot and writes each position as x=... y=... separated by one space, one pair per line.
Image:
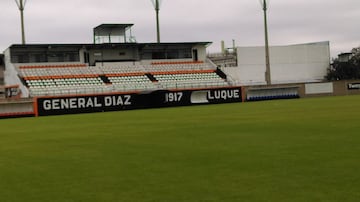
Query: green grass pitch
x=287 y=150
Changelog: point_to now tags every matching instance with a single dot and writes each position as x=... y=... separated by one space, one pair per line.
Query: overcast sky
x=290 y=21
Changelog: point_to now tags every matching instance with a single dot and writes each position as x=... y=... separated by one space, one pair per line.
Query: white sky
x=289 y=21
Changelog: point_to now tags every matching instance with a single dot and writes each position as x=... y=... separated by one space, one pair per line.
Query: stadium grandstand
x=114 y=73
x=102 y=71
x=62 y=69
x=117 y=73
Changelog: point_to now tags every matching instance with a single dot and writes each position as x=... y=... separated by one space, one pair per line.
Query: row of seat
x=68 y=90
x=192 y=76
x=64 y=82
x=125 y=83
x=177 y=67
x=81 y=79
x=177 y=62
x=46 y=72
x=129 y=79
x=82 y=69
x=89 y=89
x=121 y=69
x=52 y=66
x=118 y=84
x=192 y=80
x=192 y=85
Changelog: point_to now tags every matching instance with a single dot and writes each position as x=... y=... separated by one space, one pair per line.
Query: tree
x=345 y=69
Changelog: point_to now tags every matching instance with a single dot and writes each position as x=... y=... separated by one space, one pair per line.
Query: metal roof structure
x=31 y=47
x=110 y=32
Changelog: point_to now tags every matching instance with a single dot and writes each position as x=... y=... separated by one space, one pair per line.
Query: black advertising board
x=206 y=96
x=85 y=104
x=354 y=86
x=117 y=102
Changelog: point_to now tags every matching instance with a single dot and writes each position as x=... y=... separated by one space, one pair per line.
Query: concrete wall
x=113 y=55
x=11 y=75
x=201 y=52
x=339 y=88
x=308 y=90
x=16 y=106
x=288 y=64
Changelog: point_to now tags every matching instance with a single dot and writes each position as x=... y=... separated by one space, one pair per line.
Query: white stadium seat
x=118 y=77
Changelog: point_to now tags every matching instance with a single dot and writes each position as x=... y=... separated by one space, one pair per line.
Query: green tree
x=345 y=70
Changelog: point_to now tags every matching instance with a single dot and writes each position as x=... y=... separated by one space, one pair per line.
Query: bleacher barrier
x=59 y=105
x=14 y=108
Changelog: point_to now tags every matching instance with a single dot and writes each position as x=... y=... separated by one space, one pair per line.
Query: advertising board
x=116 y=102
x=353 y=86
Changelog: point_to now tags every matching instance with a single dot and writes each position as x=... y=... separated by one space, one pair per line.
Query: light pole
x=21 y=5
x=267 y=57
x=156 y=4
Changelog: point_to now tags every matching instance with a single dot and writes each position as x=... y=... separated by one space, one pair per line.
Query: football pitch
x=285 y=150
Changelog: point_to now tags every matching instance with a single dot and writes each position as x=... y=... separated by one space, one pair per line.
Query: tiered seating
x=190 y=80
x=64 y=82
x=66 y=86
x=118 y=77
x=121 y=69
x=57 y=71
x=185 y=74
x=177 y=66
x=129 y=83
x=126 y=76
x=62 y=79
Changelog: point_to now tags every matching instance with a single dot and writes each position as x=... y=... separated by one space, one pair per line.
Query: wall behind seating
x=127 y=54
x=288 y=64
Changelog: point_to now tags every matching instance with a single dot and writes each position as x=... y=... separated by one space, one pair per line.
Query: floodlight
x=21 y=5
x=264 y=4
x=157 y=4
